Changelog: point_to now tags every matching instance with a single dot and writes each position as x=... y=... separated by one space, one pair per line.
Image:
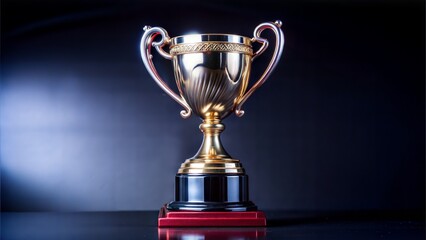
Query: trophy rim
x=211 y=37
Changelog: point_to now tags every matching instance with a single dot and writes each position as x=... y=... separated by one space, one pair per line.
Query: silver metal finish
x=276 y=56
x=216 y=37
x=145 y=47
x=212 y=74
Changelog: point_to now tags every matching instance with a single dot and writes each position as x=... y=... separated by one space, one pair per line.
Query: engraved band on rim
x=210 y=47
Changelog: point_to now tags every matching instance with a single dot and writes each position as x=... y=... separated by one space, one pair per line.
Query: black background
x=338 y=126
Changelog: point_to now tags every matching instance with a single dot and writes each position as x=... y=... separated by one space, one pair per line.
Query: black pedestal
x=211 y=192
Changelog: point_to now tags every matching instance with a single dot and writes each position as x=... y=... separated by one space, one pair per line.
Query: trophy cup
x=212 y=75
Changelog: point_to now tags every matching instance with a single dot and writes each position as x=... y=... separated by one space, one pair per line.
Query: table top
x=143 y=225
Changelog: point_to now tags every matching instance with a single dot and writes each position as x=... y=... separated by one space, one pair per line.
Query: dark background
x=338 y=126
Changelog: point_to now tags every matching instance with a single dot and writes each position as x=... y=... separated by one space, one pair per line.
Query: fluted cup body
x=211 y=71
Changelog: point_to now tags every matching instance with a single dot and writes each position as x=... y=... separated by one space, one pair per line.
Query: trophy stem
x=212 y=156
x=212 y=148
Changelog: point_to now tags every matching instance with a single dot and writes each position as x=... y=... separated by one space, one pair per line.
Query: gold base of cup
x=209 y=166
x=211 y=158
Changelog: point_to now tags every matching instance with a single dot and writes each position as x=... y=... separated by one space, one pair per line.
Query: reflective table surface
x=143 y=225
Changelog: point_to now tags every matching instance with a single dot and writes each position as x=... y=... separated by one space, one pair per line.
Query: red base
x=168 y=218
x=230 y=233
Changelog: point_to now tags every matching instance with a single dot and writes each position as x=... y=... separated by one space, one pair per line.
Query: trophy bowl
x=212 y=74
x=211 y=71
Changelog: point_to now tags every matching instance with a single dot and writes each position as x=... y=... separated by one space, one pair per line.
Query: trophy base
x=168 y=218
x=211 y=192
x=211 y=200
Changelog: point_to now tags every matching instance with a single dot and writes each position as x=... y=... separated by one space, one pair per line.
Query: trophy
x=212 y=76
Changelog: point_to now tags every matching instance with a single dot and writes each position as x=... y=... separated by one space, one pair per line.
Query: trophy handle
x=146 y=43
x=279 y=46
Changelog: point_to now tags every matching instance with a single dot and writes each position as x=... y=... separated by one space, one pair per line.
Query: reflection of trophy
x=212 y=74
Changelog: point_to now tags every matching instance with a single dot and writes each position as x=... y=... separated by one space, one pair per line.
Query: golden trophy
x=212 y=75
